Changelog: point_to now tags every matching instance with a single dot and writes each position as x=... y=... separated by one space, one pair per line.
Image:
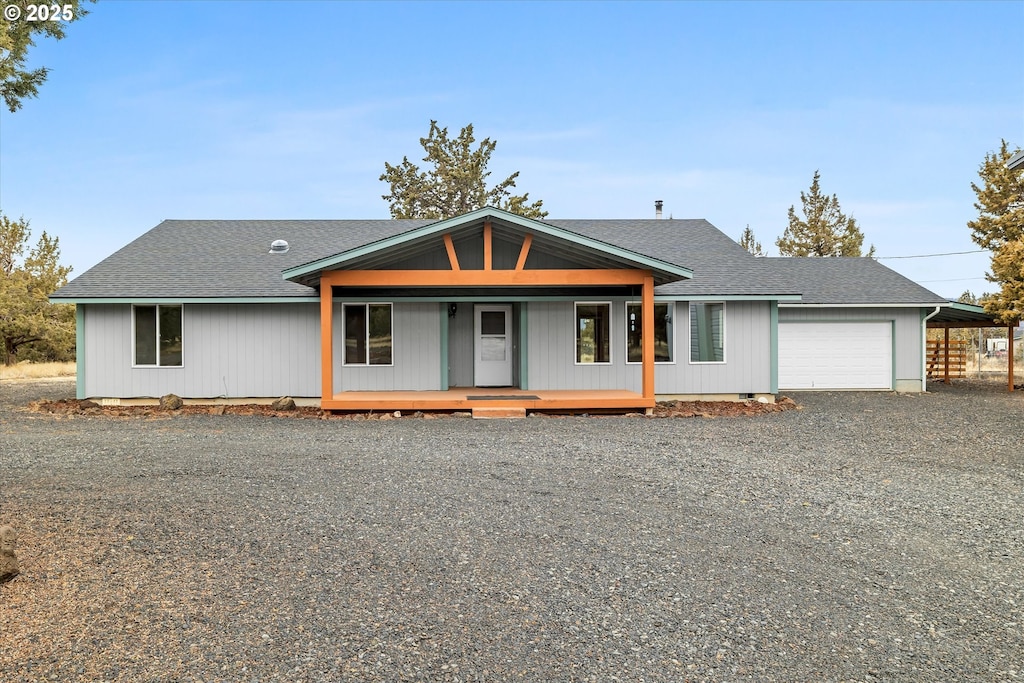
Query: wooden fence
x=944 y=361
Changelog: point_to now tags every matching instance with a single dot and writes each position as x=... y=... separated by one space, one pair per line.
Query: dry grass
x=26 y=370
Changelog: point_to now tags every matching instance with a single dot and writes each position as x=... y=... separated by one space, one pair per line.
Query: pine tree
x=750 y=243
x=1000 y=229
x=22 y=22
x=455 y=184
x=824 y=230
x=26 y=281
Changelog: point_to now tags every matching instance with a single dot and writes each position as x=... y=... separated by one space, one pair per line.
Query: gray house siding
x=416 y=348
x=747 y=368
x=907 y=351
x=460 y=346
x=250 y=350
x=551 y=340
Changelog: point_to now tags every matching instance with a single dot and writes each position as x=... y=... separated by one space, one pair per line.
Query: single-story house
x=485 y=309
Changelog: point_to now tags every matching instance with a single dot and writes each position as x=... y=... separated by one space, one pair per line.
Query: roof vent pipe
x=278 y=247
x=657 y=208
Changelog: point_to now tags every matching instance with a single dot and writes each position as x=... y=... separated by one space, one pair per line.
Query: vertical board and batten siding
x=416 y=352
x=234 y=350
x=551 y=339
x=907 y=352
x=748 y=361
x=460 y=346
x=747 y=368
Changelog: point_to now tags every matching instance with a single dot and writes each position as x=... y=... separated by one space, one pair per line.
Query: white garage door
x=835 y=355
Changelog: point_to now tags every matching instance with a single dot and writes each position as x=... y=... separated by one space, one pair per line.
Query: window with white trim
x=663 y=341
x=707 y=332
x=157 y=334
x=593 y=333
x=368 y=337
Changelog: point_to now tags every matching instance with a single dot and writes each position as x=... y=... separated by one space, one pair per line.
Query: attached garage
x=835 y=355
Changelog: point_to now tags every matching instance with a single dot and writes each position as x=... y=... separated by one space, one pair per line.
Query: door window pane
x=492 y=322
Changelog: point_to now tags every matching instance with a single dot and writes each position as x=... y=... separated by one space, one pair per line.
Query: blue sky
x=267 y=109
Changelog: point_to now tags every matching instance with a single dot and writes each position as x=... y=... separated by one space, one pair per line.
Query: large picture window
x=368 y=338
x=593 y=333
x=707 y=332
x=158 y=339
x=662 y=332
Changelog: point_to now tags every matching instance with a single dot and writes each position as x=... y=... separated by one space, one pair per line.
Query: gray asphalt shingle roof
x=848 y=281
x=181 y=259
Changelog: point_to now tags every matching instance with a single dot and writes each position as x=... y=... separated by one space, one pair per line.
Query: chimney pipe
x=657 y=208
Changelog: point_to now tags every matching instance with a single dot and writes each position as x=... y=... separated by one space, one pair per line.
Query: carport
x=958 y=315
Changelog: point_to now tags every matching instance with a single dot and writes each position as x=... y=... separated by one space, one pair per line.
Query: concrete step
x=496 y=412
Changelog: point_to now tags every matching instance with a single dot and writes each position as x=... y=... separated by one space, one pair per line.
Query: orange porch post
x=487 y=245
x=946 y=354
x=326 y=341
x=1009 y=356
x=648 y=337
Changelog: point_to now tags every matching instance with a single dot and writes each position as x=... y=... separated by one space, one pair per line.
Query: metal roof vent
x=278 y=247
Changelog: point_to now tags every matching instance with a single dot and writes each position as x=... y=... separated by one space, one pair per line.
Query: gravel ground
x=866 y=537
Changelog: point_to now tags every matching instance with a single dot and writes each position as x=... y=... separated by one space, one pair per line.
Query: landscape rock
x=171 y=402
x=8 y=560
x=217 y=410
x=283 y=403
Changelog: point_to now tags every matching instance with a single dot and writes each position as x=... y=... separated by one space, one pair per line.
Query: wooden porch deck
x=468 y=398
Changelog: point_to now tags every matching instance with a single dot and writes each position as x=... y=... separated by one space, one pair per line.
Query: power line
x=949 y=253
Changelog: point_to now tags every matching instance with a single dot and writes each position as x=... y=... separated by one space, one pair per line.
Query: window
x=662 y=333
x=158 y=339
x=593 y=333
x=367 y=334
x=707 y=332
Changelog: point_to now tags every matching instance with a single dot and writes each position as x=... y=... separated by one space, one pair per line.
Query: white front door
x=492 y=347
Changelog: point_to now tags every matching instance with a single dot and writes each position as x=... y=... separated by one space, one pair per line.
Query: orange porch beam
x=449 y=246
x=524 y=252
x=482 y=278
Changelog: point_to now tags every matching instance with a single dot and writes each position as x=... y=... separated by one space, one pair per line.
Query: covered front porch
x=480 y=399
x=483 y=273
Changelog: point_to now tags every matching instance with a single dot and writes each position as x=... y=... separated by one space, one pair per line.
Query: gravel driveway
x=866 y=537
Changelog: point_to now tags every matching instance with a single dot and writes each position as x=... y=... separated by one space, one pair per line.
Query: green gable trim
x=523 y=354
x=774 y=346
x=79 y=352
x=970 y=308
x=443 y=315
x=449 y=224
x=458 y=299
x=730 y=297
x=192 y=300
